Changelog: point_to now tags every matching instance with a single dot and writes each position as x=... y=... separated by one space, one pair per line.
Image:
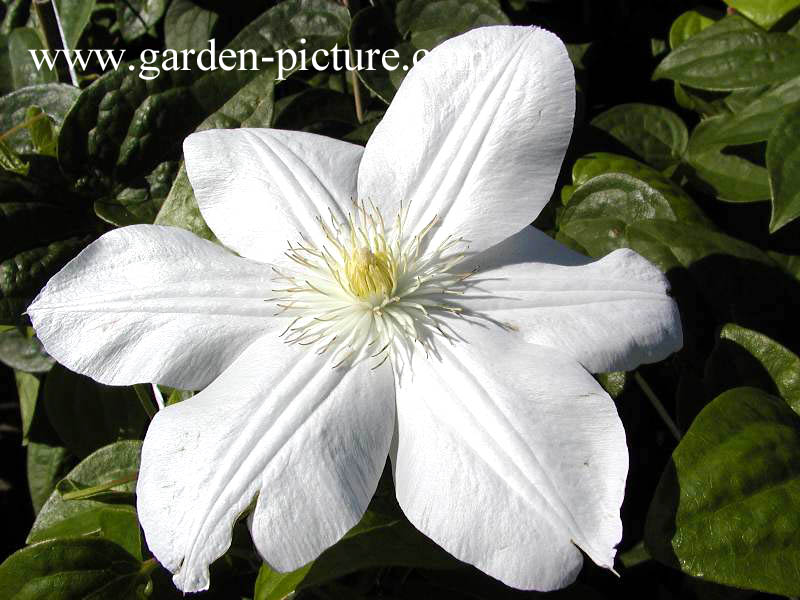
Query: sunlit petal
x=511 y=457
x=280 y=424
x=153 y=304
x=475 y=135
x=259 y=188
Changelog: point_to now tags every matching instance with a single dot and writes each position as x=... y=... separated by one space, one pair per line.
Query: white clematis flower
x=369 y=334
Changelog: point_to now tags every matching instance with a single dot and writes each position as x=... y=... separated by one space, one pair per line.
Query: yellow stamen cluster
x=370 y=274
x=367 y=291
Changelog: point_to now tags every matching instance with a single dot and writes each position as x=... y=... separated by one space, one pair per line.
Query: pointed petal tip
x=505 y=100
x=191 y=584
x=567 y=443
x=271 y=421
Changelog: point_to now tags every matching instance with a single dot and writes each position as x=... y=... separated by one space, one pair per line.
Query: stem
x=357 y=94
x=148 y=566
x=143 y=393
x=662 y=412
x=158 y=396
x=50 y=26
x=354 y=80
x=96 y=489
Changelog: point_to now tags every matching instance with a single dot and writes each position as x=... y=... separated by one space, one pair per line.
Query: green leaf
x=274 y=585
x=251 y=106
x=783 y=164
x=6 y=77
x=41 y=130
x=729 y=177
x=115 y=521
x=66 y=569
x=618 y=211
x=688 y=24
x=600 y=163
x=23 y=352
x=55 y=99
x=318 y=110
x=10 y=161
x=738 y=100
x=727 y=508
x=708 y=104
x=655 y=134
x=23 y=69
x=756 y=120
x=180 y=208
x=414 y=25
x=362 y=133
x=138 y=17
x=430 y=22
x=732 y=54
x=88 y=415
x=577 y=54
x=17 y=14
x=129 y=156
x=614 y=382
x=374 y=28
x=75 y=16
x=25 y=273
x=118 y=524
x=28 y=392
x=685 y=244
x=619 y=200
x=723 y=270
x=383 y=537
x=62 y=229
x=46 y=464
x=790 y=264
x=764 y=12
x=765 y=359
x=188 y=26
x=685 y=26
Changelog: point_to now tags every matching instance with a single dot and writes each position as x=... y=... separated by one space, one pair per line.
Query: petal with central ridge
x=310 y=442
x=611 y=314
x=259 y=188
x=510 y=465
x=152 y=304
x=475 y=135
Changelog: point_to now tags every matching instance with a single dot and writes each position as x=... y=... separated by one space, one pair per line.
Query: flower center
x=370 y=274
x=368 y=291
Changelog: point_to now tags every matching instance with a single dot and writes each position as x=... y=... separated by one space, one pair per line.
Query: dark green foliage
x=686 y=148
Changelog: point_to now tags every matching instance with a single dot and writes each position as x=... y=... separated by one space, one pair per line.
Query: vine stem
x=662 y=412
x=96 y=489
x=359 y=103
x=53 y=33
x=148 y=566
x=357 y=94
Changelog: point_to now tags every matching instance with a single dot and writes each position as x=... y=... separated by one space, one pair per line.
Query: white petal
x=527 y=245
x=612 y=314
x=509 y=462
x=259 y=188
x=280 y=424
x=153 y=304
x=476 y=135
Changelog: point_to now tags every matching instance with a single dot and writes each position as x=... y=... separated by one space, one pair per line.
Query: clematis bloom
x=387 y=300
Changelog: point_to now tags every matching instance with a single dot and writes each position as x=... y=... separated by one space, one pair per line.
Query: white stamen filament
x=372 y=287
